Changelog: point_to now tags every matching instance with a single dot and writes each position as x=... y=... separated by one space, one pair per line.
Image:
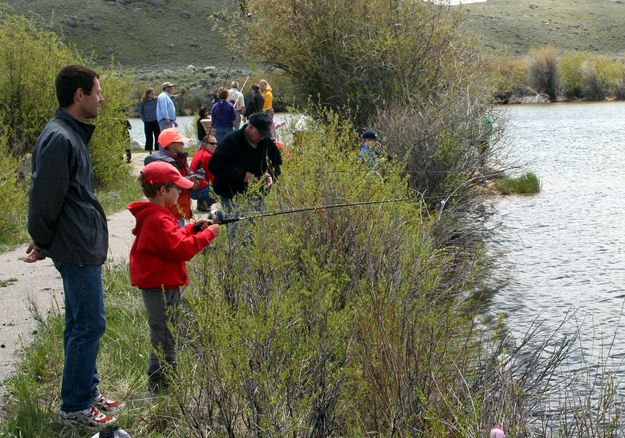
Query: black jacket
x=254 y=103
x=234 y=156
x=65 y=220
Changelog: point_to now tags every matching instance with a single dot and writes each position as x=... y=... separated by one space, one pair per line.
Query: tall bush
x=542 y=70
x=335 y=322
x=13 y=185
x=570 y=70
x=30 y=58
x=592 y=86
x=378 y=63
x=29 y=61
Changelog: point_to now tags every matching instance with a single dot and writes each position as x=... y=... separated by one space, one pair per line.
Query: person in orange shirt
x=172 y=151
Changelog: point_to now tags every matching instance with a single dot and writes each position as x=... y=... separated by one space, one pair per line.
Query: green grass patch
x=32 y=400
x=527 y=184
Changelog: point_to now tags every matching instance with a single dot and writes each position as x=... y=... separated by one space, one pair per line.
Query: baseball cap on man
x=168 y=84
x=262 y=122
x=169 y=136
x=160 y=172
x=369 y=135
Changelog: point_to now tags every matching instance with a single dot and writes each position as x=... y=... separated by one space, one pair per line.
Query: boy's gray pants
x=161 y=308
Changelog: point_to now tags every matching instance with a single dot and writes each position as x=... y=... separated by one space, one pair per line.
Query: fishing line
x=219 y=216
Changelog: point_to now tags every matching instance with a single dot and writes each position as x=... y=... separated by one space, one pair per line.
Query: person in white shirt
x=235 y=97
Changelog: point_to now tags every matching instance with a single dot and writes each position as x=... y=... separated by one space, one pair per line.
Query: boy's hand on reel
x=203 y=224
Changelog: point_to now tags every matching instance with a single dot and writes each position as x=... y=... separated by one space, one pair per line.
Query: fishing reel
x=216 y=215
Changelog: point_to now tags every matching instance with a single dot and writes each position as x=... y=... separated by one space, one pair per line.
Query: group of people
x=67 y=224
x=226 y=112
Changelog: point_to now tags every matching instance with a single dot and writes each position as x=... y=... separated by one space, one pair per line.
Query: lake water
x=564 y=249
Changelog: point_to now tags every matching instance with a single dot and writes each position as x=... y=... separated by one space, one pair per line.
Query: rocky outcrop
x=537 y=98
x=524 y=94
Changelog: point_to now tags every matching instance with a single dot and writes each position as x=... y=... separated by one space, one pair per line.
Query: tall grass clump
x=522 y=185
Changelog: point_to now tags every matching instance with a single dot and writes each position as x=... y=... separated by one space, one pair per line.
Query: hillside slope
x=141 y=33
x=149 y=34
x=589 y=25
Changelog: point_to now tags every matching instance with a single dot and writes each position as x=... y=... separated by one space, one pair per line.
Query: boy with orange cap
x=158 y=259
x=172 y=151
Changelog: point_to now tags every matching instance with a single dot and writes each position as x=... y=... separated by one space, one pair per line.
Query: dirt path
x=24 y=283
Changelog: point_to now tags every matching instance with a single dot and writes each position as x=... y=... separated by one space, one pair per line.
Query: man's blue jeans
x=85 y=323
x=220 y=133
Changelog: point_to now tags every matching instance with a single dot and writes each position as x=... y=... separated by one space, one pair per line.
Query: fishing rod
x=243 y=86
x=218 y=216
x=228 y=73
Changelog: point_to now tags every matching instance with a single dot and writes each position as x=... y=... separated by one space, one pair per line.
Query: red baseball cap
x=171 y=135
x=160 y=172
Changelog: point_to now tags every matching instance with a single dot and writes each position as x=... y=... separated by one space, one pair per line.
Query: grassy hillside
x=154 y=33
x=141 y=33
x=589 y=25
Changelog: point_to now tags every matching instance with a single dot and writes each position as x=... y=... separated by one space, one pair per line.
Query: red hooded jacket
x=200 y=161
x=161 y=249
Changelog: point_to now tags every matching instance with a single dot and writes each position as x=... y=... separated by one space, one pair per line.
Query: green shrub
x=592 y=86
x=30 y=59
x=609 y=72
x=523 y=185
x=111 y=137
x=13 y=199
x=570 y=70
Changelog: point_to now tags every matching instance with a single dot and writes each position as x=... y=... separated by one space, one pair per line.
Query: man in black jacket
x=67 y=224
x=254 y=101
x=245 y=155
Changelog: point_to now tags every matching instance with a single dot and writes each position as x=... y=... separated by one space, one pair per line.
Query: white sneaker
x=90 y=417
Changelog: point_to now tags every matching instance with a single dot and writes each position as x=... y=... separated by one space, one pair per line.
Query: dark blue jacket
x=65 y=220
x=223 y=115
x=147 y=110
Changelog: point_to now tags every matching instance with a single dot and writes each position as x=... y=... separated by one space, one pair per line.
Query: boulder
x=135 y=145
x=537 y=98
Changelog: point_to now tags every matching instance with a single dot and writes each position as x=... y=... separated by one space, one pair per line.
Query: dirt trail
x=40 y=283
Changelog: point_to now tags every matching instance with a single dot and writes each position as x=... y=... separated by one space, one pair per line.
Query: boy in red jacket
x=158 y=259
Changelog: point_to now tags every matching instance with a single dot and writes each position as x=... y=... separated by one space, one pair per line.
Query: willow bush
x=542 y=71
x=30 y=58
x=382 y=64
x=333 y=322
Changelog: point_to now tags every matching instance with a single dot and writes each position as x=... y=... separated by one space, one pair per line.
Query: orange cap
x=171 y=135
